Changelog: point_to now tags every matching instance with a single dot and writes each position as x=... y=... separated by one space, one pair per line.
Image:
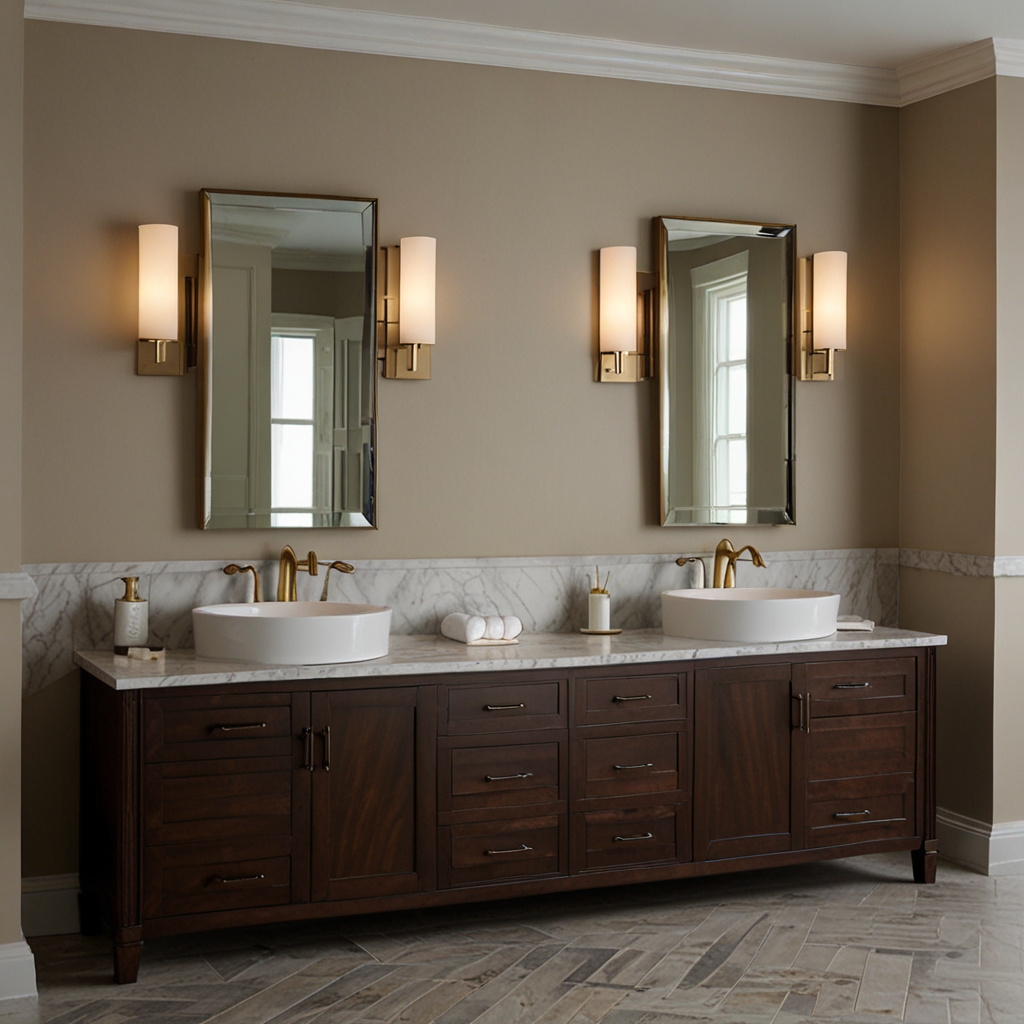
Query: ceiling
x=873 y=33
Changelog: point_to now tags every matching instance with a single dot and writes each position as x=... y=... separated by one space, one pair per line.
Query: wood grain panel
x=839 y=748
x=630 y=698
x=497 y=707
x=863 y=687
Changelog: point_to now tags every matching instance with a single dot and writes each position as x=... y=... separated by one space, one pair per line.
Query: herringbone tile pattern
x=844 y=941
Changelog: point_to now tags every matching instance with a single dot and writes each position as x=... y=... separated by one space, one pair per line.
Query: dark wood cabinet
x=217 y=806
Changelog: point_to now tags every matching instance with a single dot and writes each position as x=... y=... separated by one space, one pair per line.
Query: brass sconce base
x=632 y=368
x=401 y=363
x=149 y=364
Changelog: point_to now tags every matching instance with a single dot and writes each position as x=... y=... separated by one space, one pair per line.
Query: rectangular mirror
x=287 y=360
x=725 y=331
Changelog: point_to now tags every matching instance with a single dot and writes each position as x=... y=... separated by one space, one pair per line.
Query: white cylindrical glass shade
x=618 y=299
x=416 y=291
x=830 y=300
x=158 y=282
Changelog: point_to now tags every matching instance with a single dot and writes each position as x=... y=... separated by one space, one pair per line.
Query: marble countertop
x=428 y=655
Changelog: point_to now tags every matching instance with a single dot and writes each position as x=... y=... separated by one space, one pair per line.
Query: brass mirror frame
x=660 y=238
x=204 y=393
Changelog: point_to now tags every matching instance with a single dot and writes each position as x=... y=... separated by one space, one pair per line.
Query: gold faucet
x=726 y=557
x=288 y=568
x=341 y=567
x=257 y=589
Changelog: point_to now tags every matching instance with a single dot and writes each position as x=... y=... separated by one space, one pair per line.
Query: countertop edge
x=181 y=670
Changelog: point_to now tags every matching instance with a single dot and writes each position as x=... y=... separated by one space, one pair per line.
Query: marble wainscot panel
x=74 y=606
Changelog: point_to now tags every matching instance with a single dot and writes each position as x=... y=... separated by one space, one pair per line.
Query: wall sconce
x=406 y=277
x=822 y=329
x=159 y=352
x=626 y=317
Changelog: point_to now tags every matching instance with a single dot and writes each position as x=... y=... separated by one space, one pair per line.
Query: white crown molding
x=944 y=72
x=1009 y=57
x=332 y=28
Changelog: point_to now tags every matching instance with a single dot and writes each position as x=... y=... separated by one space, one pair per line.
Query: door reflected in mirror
x=725 y=388
x=287 y=408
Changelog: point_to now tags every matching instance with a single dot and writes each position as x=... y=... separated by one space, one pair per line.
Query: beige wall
x=11 y=12
x=521 y=176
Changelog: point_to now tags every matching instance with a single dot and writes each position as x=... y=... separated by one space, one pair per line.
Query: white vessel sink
x=749 y=614
x=292 y=632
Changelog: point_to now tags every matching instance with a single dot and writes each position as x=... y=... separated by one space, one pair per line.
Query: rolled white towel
x=495 y=629
x=464 y=628
x=513 y=626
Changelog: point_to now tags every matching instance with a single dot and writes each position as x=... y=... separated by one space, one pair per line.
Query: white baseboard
x=988 y=849
x=17 y=971
x=49 y=905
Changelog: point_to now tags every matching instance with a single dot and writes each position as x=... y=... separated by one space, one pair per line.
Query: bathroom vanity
x=221 y=795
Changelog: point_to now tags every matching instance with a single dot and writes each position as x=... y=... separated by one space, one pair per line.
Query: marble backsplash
x=74 y=605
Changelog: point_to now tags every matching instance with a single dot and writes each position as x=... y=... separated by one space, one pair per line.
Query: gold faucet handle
x=341 y=567
x=310 y=563
x=257 y=589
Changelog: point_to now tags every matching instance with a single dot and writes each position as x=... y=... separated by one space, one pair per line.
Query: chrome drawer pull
x=633 y=839
x=232 y=728
x=639 y=696
x=630 y=767
x=519 y=849
x=851 y=686
x=502 y=707
x=247 y=878
x=850 y=814
x=502 y=778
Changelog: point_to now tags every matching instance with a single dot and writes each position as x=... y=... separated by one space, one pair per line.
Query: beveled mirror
x=725 y=331
x=287 y=350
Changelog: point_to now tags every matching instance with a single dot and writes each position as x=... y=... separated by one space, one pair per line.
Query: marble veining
x=421 y=655
x=73 y=609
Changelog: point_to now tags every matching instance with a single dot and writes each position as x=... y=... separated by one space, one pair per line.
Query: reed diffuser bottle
x=599 y=619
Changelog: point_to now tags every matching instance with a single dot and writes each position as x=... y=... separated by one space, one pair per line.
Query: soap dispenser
x=131 y=617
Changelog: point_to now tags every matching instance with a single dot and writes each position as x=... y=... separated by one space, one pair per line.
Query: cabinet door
x=743 y=763
x=374 y=804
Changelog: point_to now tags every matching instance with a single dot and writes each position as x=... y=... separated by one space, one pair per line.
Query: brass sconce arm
x=257 y=588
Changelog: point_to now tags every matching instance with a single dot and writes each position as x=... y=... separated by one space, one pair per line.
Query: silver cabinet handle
x=233 y=728
x=502 y=778
x=522 y=848
x=639 y=696
x=630 y=767
x=633 y=839
x=851 y=686
x=502 y=707
x=850 y=814
x=246 y=878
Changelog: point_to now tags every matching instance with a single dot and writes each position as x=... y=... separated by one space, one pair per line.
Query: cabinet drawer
x=201 y=877
x=505 y=775
x=198 y=728
x=188 y=801
x=607 y=701
x=496 y=850
x=857 y=810
x=618 y=766
x=498 y=708
x=879 y=686
x=839 y=748
x=611 y=839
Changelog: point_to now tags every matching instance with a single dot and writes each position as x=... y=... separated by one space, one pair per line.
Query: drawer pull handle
x=850 y=814
x=851 y=686
x=630 y=767
x=246 y=878
x=233 y=728
x=502 y=778
x=307 y=761
x=327 y=747
x=639 y=696
x=502 y=707
x=522 y=848
x=633 y=839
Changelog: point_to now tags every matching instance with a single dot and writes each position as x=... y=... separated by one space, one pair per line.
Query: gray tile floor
x=840 y=941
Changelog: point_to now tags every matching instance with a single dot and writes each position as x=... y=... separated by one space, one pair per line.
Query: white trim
x=943 y=72
x=17 y=971
x=17 y=586
x=988 y=849
x=49 y=905
x=332 y=28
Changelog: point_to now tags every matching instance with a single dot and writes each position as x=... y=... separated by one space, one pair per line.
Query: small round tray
x=601 y=632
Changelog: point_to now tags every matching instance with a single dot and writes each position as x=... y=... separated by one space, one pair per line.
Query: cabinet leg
x=925 y=862
x=89 y=920
x=127 y=957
